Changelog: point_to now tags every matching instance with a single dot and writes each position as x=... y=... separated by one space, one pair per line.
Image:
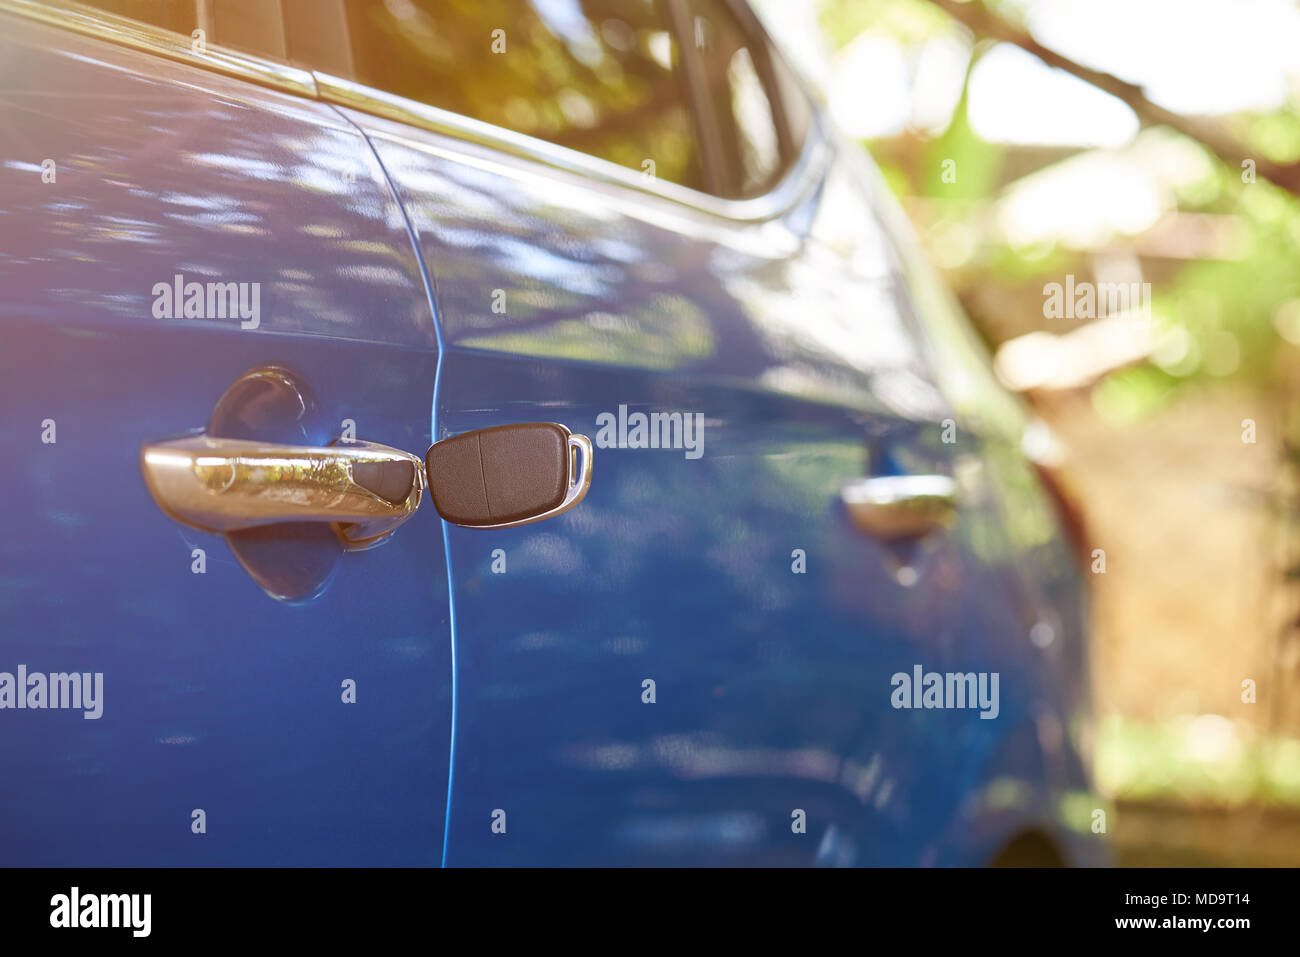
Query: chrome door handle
x=288 y=511
x=894 y=507
x=362 y=489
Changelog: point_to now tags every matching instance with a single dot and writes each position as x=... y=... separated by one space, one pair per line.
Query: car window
x=175 y=15
x=604 y=77
x=600 y=76
x=740 y=82
x=251 y=26
x=798 y=108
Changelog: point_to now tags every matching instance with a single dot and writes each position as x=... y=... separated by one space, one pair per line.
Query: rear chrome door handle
x=362 y=489
x=899 y=507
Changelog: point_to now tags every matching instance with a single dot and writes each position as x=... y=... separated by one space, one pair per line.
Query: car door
x=695 y=666
x=261 y=699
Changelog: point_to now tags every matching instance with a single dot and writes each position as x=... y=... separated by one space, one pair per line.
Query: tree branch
x=984 y=23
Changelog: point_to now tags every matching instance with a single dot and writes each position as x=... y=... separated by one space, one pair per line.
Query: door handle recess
x=897 y=507
x=362 y=489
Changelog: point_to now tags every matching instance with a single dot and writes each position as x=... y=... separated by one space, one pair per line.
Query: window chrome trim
x=123 y=31
x=792 y=187
x=799 y=180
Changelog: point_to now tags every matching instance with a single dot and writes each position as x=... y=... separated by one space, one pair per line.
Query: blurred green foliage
x=1233 y=315
x=907 y=21
x=1194 y=760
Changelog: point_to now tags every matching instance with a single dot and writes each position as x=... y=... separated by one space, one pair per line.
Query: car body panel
x=796 y=340
x=217 y=697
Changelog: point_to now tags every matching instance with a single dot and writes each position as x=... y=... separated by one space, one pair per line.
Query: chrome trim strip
x=150 y=39
x=791 y=189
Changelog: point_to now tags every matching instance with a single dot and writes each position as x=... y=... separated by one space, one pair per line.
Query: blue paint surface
x=810 y=345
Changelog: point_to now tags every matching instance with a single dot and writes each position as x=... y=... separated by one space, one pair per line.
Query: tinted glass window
x=600 y=76
x=798 y=108
x=253 y=26
x=737 y=75
x=176 y=15
x=604 y=77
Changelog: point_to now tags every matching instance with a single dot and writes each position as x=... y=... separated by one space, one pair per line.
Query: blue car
x=730 y=552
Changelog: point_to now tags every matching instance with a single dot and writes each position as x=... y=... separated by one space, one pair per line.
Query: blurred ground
x=1147 y=834
x=1187 y=607
x=1192 y=603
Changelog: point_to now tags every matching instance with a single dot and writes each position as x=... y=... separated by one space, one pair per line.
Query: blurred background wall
x=1115 y=144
